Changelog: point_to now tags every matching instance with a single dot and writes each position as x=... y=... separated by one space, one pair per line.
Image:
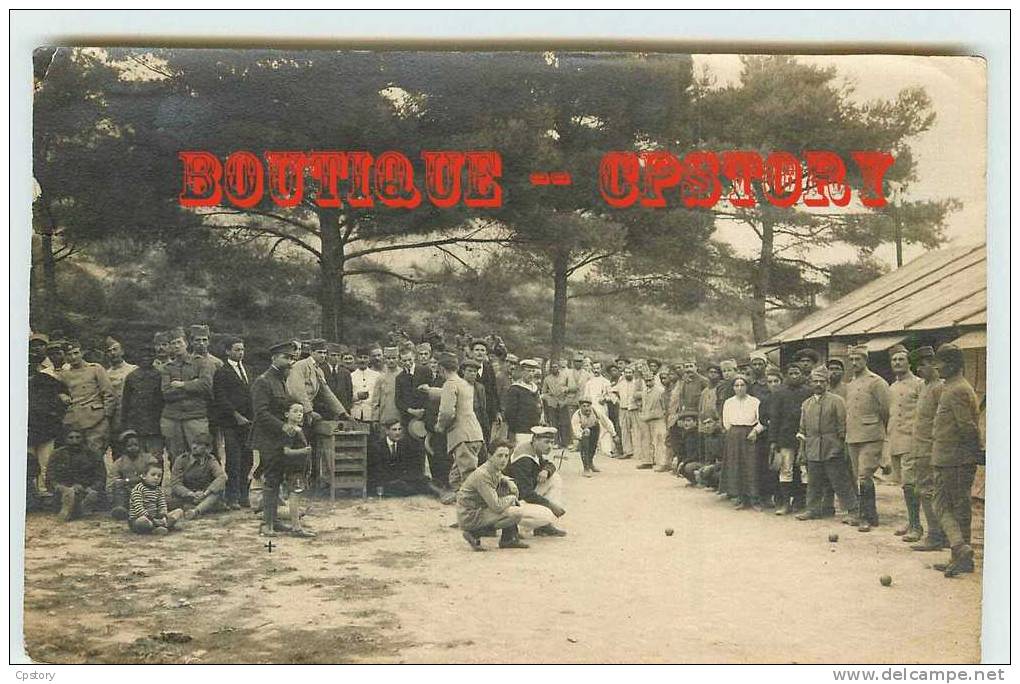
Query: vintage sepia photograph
x=504 y=356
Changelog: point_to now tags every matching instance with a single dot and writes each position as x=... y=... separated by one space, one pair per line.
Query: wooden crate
x=349 y=464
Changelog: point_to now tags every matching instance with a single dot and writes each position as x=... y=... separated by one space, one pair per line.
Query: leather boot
x=962 y=561
x=783 y=499
x=510 y=539
x=914 y=529
x=935 y=539
x=866 y=499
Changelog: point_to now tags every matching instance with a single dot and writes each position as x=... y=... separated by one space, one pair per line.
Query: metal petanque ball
x=669 y=531
x=886 y=580
x=834 y=537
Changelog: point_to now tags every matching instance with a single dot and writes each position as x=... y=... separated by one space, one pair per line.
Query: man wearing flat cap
x=836 y=369
x=456 y=419
x=469 y=371
x=536 y=477
x=822 y=435
x=867 y=415
x=588 y=425
x=306 y=383
x=903 y=394
x=956 y=449
x=924 y=423
x=808 y=359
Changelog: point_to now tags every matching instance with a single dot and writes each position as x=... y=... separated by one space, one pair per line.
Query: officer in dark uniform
x=270 y=432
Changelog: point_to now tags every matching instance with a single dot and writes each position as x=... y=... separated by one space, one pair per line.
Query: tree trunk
x=331 y=276
x=559 y=320
x=762 y=282
x=49 y=280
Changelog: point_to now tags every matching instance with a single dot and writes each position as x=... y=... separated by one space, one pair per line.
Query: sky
x=950 y=155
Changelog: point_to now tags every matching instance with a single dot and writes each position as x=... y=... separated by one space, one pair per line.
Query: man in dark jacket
x=47 y=402
x=77 y=475
x=783 y=426
x=956 y=448
x=536 y=477
x=142 y=404
x=409 y=399
x=523 y=409
x=270 y=432
x=338 y=377
x=396 y=463
x=486 y=375
x=823 y=437
x=232 y=414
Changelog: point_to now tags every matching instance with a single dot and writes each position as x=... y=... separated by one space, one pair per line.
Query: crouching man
x=536 y=477
x=197 y=479
x=488 y=499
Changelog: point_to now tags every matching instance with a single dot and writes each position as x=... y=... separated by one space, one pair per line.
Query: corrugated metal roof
x=940 y=289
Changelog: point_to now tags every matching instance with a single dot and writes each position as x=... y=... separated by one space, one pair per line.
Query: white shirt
x=737 y=411
x=239 y=369
x=363 y=381
x=596 y=389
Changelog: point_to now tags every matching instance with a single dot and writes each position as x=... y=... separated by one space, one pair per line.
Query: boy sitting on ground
x=126 y=472
x=197 y=479
x=76 y=475
x=147 y=513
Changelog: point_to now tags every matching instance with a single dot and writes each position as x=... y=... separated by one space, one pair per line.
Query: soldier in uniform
x=186 y=383
x=924 y=420
x=270 y=432
x=92 y=399
x=902 y=407
x=955 y=449
x=867 y=414
x=117 y=372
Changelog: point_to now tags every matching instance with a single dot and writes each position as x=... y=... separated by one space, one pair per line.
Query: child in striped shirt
x=147 y=513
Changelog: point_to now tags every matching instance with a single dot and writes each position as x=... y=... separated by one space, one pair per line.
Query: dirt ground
x=389 y=581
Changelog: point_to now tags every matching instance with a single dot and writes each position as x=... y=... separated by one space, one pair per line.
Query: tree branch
x=267 y=214
x=427 y=243
x=386 y=272
x=269 y=231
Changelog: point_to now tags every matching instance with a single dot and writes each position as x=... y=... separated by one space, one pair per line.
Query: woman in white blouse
x=740 y=421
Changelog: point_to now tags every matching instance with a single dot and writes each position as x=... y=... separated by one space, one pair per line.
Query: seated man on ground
x=76 y=475
x=688 y=461
x=536 y=478
x=488 y=499
x=396 y=463
x=197 y=479
x=147 y=513
x=126 y=472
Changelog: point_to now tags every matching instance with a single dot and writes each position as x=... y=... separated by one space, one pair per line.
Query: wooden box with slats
x=348 y=470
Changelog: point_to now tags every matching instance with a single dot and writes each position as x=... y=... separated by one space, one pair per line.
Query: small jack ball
x=669 y=531
x=834 y=537
x=886 y=580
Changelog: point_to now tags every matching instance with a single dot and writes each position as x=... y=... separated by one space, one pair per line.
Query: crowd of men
x=476 y=426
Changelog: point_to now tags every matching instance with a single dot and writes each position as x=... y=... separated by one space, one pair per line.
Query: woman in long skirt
x=740 y=421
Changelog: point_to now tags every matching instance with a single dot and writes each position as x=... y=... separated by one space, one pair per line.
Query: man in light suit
x=457 y=419
x=903 y=396
x=306 y=382
x=867 y=415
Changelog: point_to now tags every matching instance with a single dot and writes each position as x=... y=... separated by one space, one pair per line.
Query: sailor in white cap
x=536 y=477
x=523 y=409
